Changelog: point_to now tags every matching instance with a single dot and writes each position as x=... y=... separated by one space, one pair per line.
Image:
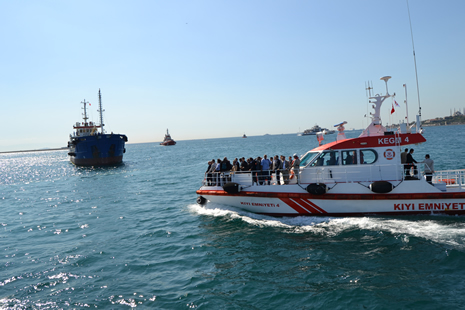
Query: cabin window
x=327 y=158
x=349 y=157
x=368 y=156
x=308 y=158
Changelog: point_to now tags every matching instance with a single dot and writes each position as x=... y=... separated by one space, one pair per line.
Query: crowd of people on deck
x=406 y=158
x=261 y=169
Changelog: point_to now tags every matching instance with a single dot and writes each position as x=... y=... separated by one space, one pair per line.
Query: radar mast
x=100 y=110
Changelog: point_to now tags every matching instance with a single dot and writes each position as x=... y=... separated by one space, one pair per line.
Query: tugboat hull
x=97 y=150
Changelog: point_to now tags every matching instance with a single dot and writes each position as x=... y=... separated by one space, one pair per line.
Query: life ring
x=292 y=175
x=389 y=154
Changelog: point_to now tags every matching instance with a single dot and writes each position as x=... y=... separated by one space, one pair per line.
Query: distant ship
x=89 y=147
x=244 y=136
x=314 y=130
x=168 y=140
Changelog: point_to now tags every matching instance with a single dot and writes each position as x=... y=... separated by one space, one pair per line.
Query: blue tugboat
x=89 y=147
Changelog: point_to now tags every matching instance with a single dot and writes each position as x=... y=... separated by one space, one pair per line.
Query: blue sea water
x=132 y=236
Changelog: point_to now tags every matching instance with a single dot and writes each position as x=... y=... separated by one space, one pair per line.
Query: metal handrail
x=452 y=178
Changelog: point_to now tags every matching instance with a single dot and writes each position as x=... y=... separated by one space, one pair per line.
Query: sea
x=132 y=236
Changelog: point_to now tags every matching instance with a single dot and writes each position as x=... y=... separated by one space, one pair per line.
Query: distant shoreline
x=40 y=150
x=435 y=124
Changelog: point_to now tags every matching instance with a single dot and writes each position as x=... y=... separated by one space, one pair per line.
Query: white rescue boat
x=348 y=177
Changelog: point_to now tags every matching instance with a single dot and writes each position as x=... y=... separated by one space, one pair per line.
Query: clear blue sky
x=212 y=68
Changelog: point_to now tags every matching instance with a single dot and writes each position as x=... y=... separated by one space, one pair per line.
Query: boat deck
x=445 y=180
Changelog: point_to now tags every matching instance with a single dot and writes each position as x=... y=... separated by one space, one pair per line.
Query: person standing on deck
x=244 y=165
x=266 y=169
x=403 y=161
x=284 y=168
x=403 y=156
x=209 y=172
x=296 y=167
x=276 y=166
x=410 y=162
x=429 y=168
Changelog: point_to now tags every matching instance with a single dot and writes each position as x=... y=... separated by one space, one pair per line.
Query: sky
x=215 y=68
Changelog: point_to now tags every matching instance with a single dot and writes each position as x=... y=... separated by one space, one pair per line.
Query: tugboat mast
x=100 y=110
x=85 y=112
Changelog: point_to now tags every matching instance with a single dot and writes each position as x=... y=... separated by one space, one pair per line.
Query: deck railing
x=452 y=178
x=242 y=177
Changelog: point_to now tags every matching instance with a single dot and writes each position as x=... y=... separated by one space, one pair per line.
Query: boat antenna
x=386 y=79
x=100 y=110
x=414 y=60
x=85 y=118
x=406 y=104
x=368 y=89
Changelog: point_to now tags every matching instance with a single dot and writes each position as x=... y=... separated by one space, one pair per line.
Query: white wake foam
x=435 y=229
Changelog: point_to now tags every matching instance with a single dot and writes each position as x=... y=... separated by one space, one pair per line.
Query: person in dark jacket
x=403 y=160
x=410 y=163
x=225 y=167
x=208 y=173
x=256 y=169
x=276 y=169
x=284 y=169
x=244 y=164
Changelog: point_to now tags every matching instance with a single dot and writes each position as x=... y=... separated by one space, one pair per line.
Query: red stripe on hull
x=295 y=206
x=460 y=212
x=304 y=205
x=314 y=206
x=455 y=195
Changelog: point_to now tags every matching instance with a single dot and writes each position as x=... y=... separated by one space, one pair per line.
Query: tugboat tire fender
x=232 y=188
x=317 y=188
x=201 y=200
x=381 y=187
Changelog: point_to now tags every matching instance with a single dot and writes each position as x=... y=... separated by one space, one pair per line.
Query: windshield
x=308 y=158
x=327 y=158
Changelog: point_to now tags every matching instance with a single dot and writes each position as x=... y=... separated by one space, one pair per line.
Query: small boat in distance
x=89 y=147
x=244 y=136
x=314 y=130
x=168 y=140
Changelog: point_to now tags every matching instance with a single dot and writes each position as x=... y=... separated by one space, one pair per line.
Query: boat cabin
x=85 y=129
x=362 y=159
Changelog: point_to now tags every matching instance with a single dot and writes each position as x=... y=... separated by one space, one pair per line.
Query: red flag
x=392 y=110
x=89 y=103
